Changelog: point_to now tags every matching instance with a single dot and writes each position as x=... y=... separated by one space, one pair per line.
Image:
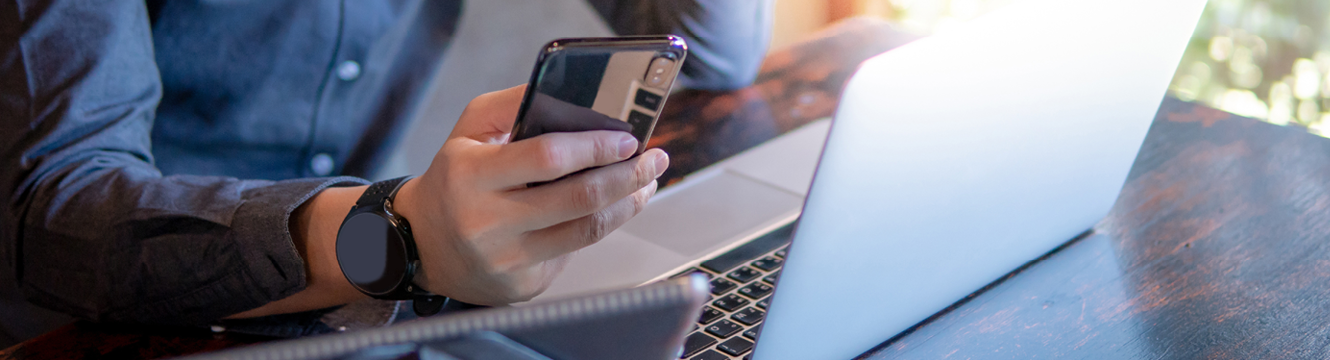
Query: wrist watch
x=377 y=252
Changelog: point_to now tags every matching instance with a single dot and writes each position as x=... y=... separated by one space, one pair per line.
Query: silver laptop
x=953 y=160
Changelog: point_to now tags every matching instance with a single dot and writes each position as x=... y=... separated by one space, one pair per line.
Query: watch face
x=371 y=253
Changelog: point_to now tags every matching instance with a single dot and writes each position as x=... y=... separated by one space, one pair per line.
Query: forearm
x=122 y=244
x=314 y=228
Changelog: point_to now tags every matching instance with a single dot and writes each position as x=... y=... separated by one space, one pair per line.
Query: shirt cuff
x=263 y=235
x=269 y=267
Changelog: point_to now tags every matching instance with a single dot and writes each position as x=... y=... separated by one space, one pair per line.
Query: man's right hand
x=486 y=238
x=483 y=236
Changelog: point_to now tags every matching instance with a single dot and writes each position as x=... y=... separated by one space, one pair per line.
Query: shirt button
x=321 y=164
x=348 y=70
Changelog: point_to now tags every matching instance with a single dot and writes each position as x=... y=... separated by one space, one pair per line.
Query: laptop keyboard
x=741 y=285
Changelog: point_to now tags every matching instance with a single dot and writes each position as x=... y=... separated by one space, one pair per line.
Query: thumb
x=490 y=116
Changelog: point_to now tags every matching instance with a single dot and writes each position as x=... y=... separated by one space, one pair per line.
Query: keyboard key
x=756 y=290
x=744 y=274
x=783 y=251
x=720 y=286
x=696 y=343
x=752 y=333
x=771 y=279
x=736 y=346
x=752 y=250
x=730 y=302
x=764 y=303
x=711 y=355
x=709 y=315
x=723 y=329
x=748 y=316
x=768 y=263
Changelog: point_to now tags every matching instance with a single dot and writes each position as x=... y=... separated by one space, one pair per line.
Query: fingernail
x=627 y=146
x=662 y=162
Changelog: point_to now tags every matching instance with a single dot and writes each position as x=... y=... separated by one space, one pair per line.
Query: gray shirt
x=153 y=153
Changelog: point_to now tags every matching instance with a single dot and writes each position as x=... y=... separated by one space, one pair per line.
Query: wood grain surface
x=1217 y=248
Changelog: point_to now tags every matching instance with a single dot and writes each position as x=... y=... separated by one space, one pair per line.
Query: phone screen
x=600 y=84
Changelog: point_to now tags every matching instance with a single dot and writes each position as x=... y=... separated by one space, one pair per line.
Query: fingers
x=555 y=241
x=490 y=115
x=589 y=192
x=554 y=155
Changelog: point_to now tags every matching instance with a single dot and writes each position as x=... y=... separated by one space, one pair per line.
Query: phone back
x=600 y=84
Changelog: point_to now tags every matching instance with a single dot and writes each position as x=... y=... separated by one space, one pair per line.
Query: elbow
x=728 y=53
x=721 y=72
x=718 y=81
x=725 y=65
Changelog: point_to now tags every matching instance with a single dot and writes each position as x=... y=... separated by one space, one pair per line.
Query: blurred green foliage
x=1267 y=59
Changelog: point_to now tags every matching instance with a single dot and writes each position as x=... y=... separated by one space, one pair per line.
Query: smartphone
x=588 y=84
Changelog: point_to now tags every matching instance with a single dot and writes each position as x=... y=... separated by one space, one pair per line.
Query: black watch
x=377 y=253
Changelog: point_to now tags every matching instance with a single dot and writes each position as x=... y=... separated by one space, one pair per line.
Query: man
x=162 y=163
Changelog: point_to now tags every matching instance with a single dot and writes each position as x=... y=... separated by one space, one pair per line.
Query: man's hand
x=483 y=236
x=486 y=238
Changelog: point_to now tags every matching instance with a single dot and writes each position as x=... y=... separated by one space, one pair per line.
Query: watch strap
x=380 y=191
x=424 y=303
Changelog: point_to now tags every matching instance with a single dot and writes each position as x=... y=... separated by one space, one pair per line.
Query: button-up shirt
x=153 y=153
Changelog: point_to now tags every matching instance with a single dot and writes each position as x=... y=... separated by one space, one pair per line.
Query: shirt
x=153 y=152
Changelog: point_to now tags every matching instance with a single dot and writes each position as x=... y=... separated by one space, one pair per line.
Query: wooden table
x=1216 y=248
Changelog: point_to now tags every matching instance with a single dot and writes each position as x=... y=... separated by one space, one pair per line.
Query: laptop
x=952 y=161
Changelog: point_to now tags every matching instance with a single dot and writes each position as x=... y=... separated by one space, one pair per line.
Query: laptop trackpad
x=707 y=213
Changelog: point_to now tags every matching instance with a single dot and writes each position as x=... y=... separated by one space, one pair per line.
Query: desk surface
x=1215 y=248
x=1219 y=247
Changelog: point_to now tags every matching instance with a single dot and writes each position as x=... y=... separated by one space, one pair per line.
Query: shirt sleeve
x=89 y=226
x=727 y=39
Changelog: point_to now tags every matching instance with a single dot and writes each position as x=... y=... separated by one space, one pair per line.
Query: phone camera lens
x=656 y=72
